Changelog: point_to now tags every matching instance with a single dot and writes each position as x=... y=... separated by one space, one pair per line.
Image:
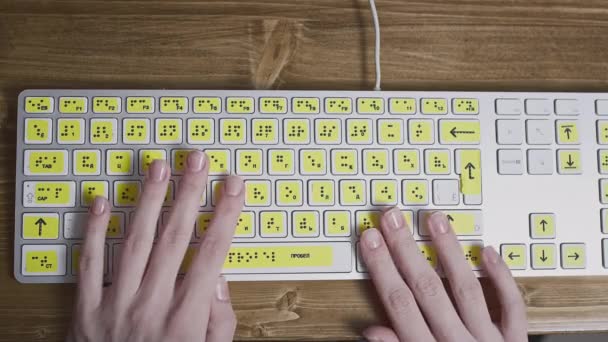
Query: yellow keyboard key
x=273 y=105
x=469 y=169
x=305 y=105
x=338 y=105
x=103 y=131
x=107 y=105
x=543 y=256
x=384 y=192
x=217 y=187
x=428 y=252
x=49 y=194
x=370 y=105
x=472 y=253
x=459 y=132
x=179 y=159
x=200 y=131
x=136 y=131
x=140 y=105
x=604 y=191
x=313 y=162
x=38 y=131
x=126 y=193
x=420 y=132
x=265 y=131
x=415 y=192
x=249 y=162
x=327 y=131
x=465 y=106
x=567 y=132
x=220 y=161
x=296 y=131
x=602 y=161
x=39 y=105
x=569 y=162
x=437 y=162
x=73 y=105
x=233 y=131
x=45 y=162
x=258 y=193
x=366 y=219
x=116 y=226
x=352 y=192
x=70 y=131
x=375 y=162
x=146 y=157
x=273 y=224
x=390 y=131
x=305 y=223
x=40 y=226
x=119 y=162
x=402 y=106
x=573 y=255
x=87 y=162
x=91 y=189
x=289 y=192
x=321 y=192
x=602 y=132
x=281 y=162
x=434 y=106
x=175 y=105
x=202 y=222
x=337 y=223
x=275 y=258
x=463 y=222
x=514 y=255
x=359 y=131
x=207 y=105
x=240 y=105
x=406 y=162
x=344 y=162
x=245 y=225
x=542 y=226
x=43 y=260
x=168 y=131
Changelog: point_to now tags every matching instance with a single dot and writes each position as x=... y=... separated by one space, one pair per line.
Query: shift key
x=49 y=194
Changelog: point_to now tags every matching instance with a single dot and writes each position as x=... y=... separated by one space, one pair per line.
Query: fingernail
x=370 y=338
x=196 y=161
x=372 y=238
x=221 y=290
x=393 y=219
x=438 y=223
x=157 y=170
x=234 y=185
x=98 y=206
x=491 y=254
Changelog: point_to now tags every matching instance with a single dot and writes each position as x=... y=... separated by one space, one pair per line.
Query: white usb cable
x=377 y=48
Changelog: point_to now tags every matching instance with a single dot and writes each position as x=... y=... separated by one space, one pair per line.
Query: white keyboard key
x=510 y=162
x=601 y=107
x=508 y=107
x=445 y=192
x=509 y=132
x=538 y=107
x=74 y=225
x=540 y=162
x=605 y=252
x=49 y=194
x=539 y=132
x=567 y=107
x=43 y=260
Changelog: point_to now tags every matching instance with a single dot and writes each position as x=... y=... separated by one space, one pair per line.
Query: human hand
x=144 y=302
x=414 y=297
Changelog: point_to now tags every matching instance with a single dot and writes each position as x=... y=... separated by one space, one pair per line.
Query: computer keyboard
x=524 y=172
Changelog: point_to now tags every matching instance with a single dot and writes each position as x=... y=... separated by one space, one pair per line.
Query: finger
x=91 y=263
x=424 y=282
x=396 y=297
x=177 y=232
x=514 y=325
x=463 y=282
x=222 y=320
x=140 y=234
x=378 y=333
x=207 y=264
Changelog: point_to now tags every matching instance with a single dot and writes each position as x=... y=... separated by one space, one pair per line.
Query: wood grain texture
x=549 y=45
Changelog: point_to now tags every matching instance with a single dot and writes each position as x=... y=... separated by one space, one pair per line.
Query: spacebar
x=286 y=257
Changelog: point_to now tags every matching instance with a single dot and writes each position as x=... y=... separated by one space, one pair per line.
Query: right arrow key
x=573 y=255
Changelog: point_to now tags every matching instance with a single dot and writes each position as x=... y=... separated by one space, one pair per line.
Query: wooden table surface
x=305 y=44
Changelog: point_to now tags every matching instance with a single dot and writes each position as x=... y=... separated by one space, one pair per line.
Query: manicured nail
x=438 y=223
x=99 y=205
x=157 y=171
x=234 y=186
x=491 y=254
x=372 y=238
x=221 y=290
x=196 y=161
x=393 y=219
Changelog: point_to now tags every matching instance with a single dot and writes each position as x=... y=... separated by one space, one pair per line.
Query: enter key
x=468 y=166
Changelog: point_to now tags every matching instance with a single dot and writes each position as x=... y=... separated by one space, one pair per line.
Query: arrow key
x=542 y=226
x=573 y=255
x=543 y=256
x=514 y=256
x=40 y=226
x=569 y=162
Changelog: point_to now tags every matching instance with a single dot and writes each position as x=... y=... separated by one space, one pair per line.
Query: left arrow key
x=40 y=226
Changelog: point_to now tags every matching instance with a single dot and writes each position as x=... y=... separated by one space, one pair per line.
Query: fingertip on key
x=196 y=161
x=438 y=223
x=233 y=186
x=372 y=238
x=393 y=219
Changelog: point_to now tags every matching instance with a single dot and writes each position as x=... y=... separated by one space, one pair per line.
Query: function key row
x=514 y=106
x=247 y=105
